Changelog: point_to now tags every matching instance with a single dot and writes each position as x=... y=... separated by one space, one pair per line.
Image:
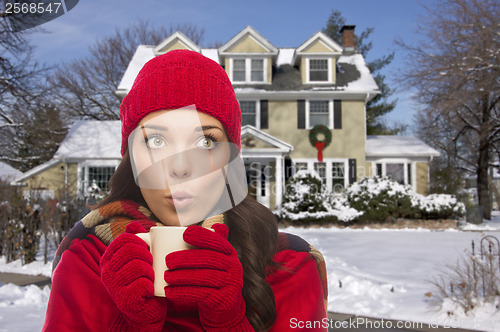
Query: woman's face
x=177 y=156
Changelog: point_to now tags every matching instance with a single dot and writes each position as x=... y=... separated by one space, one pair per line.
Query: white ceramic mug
x=162 y=240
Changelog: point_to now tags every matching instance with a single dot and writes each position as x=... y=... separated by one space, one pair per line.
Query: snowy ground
x=382 y=273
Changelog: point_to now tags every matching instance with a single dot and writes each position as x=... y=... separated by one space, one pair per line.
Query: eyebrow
x=202 y=128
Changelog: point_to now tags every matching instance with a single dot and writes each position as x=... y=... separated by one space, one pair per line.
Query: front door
x=258 y=180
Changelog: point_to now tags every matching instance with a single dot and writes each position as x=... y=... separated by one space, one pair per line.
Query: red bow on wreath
x=320 y=144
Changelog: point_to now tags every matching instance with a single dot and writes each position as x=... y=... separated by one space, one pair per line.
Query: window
x=239 y=73
x=300 y=166
x=249 y=113
x=332 y=172
x=400 y=171
x=319 y=113
x=338 y=177
x=395 y=172
x=101 y=176
x=318 y=70
x=94 y=179
x=257 y=70
x=249 y=70
x=320 y=168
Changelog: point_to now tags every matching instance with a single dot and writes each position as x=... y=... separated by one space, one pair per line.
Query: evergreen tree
x=380 y=105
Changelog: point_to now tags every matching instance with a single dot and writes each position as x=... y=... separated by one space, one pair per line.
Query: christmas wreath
x=320 y=144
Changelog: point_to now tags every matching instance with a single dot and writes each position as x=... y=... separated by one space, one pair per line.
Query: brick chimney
x=347 y=33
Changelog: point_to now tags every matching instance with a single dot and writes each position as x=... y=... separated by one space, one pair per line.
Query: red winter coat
x=79 y=301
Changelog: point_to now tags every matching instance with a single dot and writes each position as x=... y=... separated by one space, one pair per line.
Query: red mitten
x=127 y=274
x=210 y=276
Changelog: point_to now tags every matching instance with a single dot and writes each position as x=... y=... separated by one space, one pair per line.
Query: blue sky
x=284 y=23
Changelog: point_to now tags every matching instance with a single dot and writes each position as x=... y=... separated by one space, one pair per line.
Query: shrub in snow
x=303 y=197
x=381 y=199
x=305 y=200
x=19 y=225
x=472 y=282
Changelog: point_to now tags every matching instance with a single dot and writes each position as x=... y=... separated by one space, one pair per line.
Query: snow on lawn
x=376 y=273
x=386 y=273
x=22 y=308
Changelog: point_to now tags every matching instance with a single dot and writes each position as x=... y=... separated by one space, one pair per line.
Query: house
x=84 y=162
x=290 y=98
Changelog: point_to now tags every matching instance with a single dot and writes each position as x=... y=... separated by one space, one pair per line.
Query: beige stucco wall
x=53 y=179
x=317 y=47
x=227 y=67
x=176 y=46
x=422 y=178
x=368 y=170
x=269 y=61
x=348 y=142
x=247 y=45
x=303 y=69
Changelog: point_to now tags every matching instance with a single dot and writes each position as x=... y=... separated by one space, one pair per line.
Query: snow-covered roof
x=286 y=56
x=8 y=172
x=353 y=76
x=91 y=140
x=397 y=146
x=365 y=82
x=143 y=54
x=211 y=53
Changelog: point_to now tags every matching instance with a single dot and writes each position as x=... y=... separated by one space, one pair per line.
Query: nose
x=179 y=166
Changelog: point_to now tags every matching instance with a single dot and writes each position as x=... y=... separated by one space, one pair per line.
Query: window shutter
x=301 y=114
x=337 y=114
x=264 y=106
x=352 y=171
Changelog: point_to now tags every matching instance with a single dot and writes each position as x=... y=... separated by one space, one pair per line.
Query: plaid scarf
x=109 y=221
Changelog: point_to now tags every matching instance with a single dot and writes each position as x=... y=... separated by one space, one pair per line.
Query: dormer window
x=257 y=70
x=318 y=70
x=248 y=70
x=239 y=70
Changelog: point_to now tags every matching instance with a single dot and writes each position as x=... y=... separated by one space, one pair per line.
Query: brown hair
x=253 y=232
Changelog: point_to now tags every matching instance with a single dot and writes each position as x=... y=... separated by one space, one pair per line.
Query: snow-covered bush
x=382 y=198
x=305 y=200
x=373 y=199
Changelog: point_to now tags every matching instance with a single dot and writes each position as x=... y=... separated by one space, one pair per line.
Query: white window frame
x=329 y=68
x=84 y=166
x=257 y=111
x=330 y=112
x=405 y=162
x=248 y=70
x=328 y=162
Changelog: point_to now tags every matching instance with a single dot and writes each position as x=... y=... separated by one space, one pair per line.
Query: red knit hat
x=177 y=79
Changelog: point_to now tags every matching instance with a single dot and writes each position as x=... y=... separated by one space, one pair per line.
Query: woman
x=180 y=116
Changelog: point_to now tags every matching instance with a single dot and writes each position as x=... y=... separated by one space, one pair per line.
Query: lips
x=180 y=199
